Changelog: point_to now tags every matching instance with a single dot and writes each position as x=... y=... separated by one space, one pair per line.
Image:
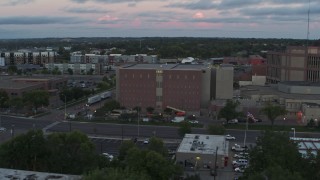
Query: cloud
x=108 y=18
x=200 y=4
x=22 y=20
x=198 y=15
x=87 y=10
x=114 y=1
x=15 y=2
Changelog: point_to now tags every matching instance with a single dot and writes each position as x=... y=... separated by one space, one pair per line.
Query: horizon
x=263 y=19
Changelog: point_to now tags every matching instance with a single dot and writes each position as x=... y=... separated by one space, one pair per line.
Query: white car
x=229 y=137
x=109 y=156
x=238 y=169
x=146 y=141
x=3 y=129
x=194 y=122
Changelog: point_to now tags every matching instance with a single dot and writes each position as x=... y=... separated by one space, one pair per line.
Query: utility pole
x=215 y=164
x=245 y=132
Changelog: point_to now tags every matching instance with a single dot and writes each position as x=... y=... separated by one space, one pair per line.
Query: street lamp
x=294 y=132
x=65 y=106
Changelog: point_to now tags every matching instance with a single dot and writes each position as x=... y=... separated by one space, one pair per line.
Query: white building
x=199 y=150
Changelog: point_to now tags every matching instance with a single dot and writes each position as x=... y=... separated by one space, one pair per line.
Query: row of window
x=193 y=77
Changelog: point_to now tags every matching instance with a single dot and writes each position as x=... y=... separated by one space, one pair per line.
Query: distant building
x=200 y=150
x=28 y=57
x=77 y=68
x=112 y=59
x=295 y=64
x=17 y=86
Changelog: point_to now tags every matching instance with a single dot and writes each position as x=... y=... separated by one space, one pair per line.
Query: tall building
x=295 y=64
x=185 y=87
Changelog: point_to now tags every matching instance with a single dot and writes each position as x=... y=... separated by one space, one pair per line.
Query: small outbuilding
x=200 y=150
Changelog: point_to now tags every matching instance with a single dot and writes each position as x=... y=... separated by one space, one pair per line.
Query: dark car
x=213 y=172
x=258 y=120
x=242 y=120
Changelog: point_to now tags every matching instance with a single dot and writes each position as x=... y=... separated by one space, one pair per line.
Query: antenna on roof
x=308 y=29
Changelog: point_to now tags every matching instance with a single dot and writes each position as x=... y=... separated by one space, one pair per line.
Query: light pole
x=138 y=121
x=294 y=132
x=65 y=107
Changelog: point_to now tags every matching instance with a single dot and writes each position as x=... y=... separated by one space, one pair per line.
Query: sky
x=159 y=18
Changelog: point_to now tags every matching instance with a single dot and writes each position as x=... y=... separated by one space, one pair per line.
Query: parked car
x=194 y=122
x=233 y=121
x=240 y=162
x=107 y=155
x=239 y=169
x=242 y=120
x=238 y=148
x=229 y=137
x=241 y=155
x=146 y=141
x=3 y=129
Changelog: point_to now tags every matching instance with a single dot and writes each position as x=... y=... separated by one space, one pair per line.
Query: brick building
x=186 y=87
x=295 y=64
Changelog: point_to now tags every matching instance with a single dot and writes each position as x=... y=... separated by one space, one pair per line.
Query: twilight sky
x=159 y=18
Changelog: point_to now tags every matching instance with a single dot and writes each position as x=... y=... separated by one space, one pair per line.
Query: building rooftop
x=166 y=66
x=204 y=144
x=300 y=83
x=304 y=144
x=10 y=84
x=273 y=90
x=21 y=174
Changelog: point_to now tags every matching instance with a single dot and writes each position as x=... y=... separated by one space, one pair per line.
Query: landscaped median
x=118 y=121
x=274 y=127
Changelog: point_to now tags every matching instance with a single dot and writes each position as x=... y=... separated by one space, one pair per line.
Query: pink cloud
x=136 y=23
x=198 y=15
x=206 y=25
x=171 y=24
x=107 y=18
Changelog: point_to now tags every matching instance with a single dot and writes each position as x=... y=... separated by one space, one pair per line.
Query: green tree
x=274 y=149
x=56 y=71
x=27 y=151
x=273 y=111
x=4 y=98
x=116 y=173
x=12 y=69
x=71 y=153
x=216 y=129
x=229 y=110
x=157 y=145
x=36 y=98
x=16 y=103
x=111 y=105
x=184 y=128
x=70 y=71
x=150 y=110
x=123 y=150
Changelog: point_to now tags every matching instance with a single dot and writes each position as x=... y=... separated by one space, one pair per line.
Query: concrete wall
x=224 y=83
x=259 y=80
x=297 y=62
x=205 y=88
x=296 y=75
x=298 y=89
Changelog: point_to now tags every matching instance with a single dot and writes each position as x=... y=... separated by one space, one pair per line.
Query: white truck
x=94 y=99
x=106 y=94
x=177 y=119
